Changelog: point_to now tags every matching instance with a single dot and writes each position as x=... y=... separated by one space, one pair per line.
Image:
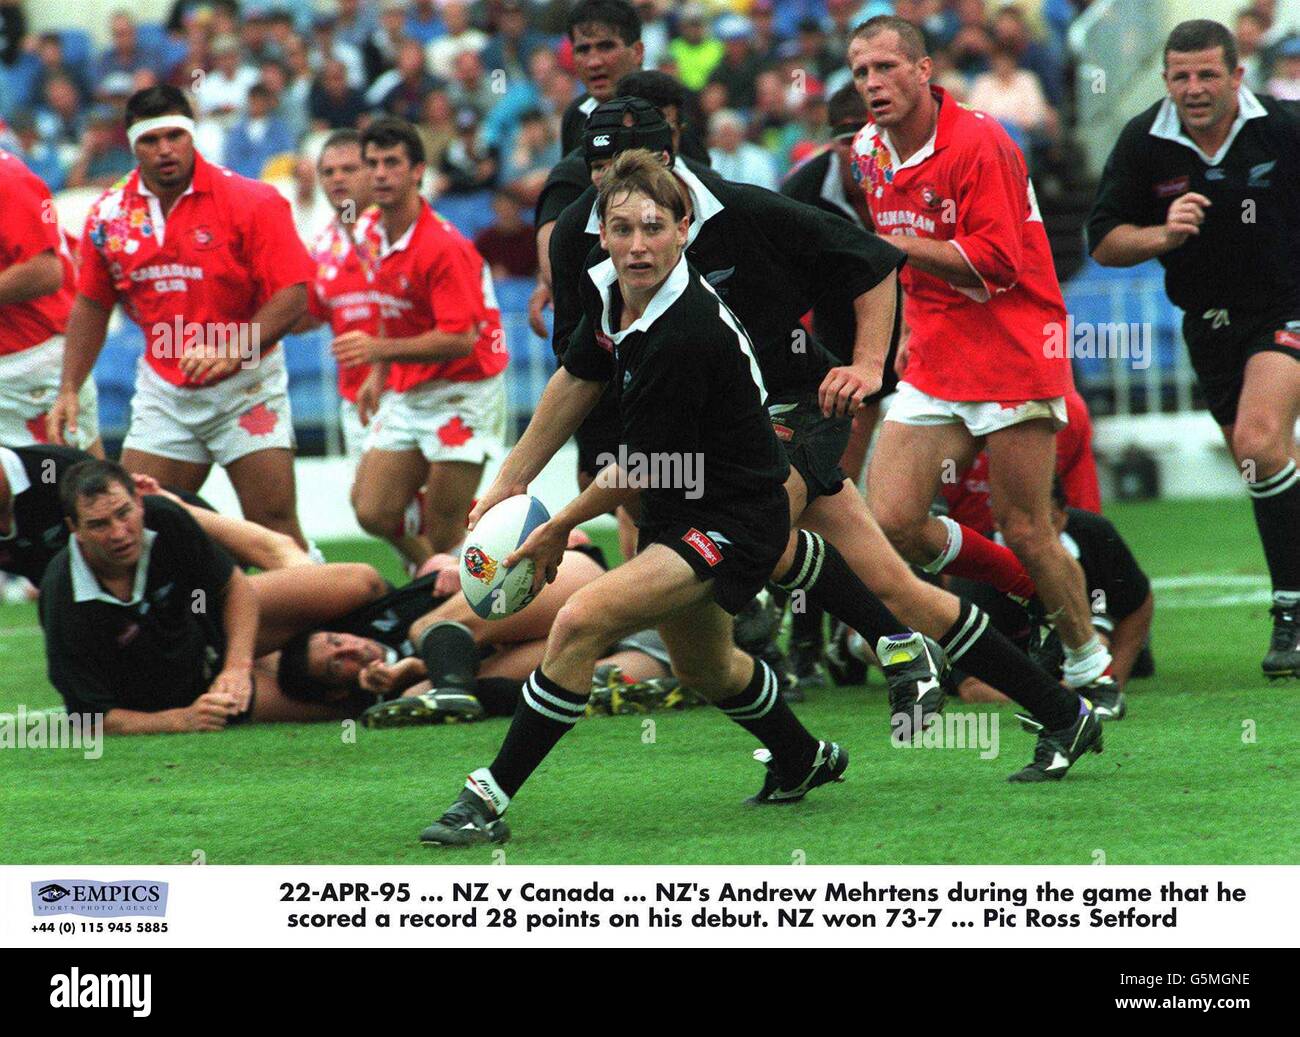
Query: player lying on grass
x=1118 y=589
x=33 y=530
x=428 y=667
x=149 y=622
x=772 y=260
x=688 y=385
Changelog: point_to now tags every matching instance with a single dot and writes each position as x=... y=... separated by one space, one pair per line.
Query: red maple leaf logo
x=259 y=420
x=36 y=426
x=455 y=433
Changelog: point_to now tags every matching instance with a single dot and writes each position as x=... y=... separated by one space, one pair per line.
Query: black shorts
x=737 y=556
x=813 y=443
x=599 y=433
x=1219 y=354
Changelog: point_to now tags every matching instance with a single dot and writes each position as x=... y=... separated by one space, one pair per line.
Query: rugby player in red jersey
x=37 y=284
x=209 y=265
x=440 y=356
x=952 y=191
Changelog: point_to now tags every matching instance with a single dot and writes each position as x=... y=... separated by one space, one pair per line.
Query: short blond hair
x=640 y=171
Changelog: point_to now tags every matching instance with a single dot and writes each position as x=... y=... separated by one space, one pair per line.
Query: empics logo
x=99 y=899
x=72 y=989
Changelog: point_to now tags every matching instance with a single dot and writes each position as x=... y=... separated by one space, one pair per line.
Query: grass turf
x=1181 y=780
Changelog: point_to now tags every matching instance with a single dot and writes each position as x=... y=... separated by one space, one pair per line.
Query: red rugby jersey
x=342 y=296
x=969 y=185
x=226 y=247
x=30 y=226
x=432 y=277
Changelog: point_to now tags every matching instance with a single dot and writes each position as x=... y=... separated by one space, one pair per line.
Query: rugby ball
x=492 y=590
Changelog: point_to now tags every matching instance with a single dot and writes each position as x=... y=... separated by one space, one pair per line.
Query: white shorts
x=354 y=433
x=445 y=421
x=911 y=406
x=246 y=413
x=29 y=384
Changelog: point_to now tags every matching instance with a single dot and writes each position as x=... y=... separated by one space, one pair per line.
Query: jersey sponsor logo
x=930 y=196
x=1259 y=174
x=605 y=342
x=1170 y=188
x=783 y=432
x=480 y=565
x=600 y=142
x=204 y=239
x=703 y=546
x=716 y=277
x=1290 y=339
x=905 y=218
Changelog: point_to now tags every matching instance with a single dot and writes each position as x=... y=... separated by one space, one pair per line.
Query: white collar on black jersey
x=704 y=203
x=18 y=483
x=85 y=585
x=833 y=189
x=1169 y=127
x=670 y=291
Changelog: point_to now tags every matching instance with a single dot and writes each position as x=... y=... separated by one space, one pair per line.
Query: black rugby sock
x=821 y=572
x=983 y=652
x=1276 y=501
x=806 y=625
x=544 y=715
x=498 y=695
x=450 y=655
x=761 y=711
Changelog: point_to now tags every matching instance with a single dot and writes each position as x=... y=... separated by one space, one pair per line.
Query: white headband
x=159 y=122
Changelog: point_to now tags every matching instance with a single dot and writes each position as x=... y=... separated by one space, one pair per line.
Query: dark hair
x=293 y=673
x=261 y=90
x=161 y=99
x=616 y=15
x=391 y=131
x=90 y=479
x=640 y=170
x=1202 y=34
x=909 y=36
x=845 y=107
x=659 y=88
x=339 y=139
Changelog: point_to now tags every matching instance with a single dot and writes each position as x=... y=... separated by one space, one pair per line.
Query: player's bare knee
x=578 y=628
x=1030 y=536
x=1260 y=446
x=374 y=517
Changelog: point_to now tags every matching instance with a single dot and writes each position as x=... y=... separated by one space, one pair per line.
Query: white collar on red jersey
x=386 y=249
x=86 y=586
x=604 y=276
x=1168 y=126
x=704 y=203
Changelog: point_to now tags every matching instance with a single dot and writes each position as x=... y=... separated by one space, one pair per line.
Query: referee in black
x=146 y=620
x=1207 y=180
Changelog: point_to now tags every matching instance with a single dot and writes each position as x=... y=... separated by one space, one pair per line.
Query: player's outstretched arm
x=1129 y=244
x=566 y=401
x=209 y=712
x=239 y=613
x=87 y=326
x=844 y=388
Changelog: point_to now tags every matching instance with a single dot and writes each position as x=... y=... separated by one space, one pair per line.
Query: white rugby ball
x=493 y=591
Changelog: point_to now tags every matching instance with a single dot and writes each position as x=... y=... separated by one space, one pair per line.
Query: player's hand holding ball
x=501 y=489
x=513 y=551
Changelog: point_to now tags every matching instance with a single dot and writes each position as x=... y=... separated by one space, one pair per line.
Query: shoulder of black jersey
x=1281 y=111
x=571 y=169
x=164 y=516
x=63 y=456
x=1138 y=128
x=804 y=182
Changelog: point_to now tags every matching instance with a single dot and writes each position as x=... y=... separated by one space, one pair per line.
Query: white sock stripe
x=956 y=651
x=537 y=699
x=763 y=704
x=809 y=547
x=820 y=561
x=951 y=549
x=972 y=614
x=567 y=705
x=1275 y=484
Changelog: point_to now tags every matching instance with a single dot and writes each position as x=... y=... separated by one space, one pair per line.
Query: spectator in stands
x=713 y=98
x=1251 y=26
x=507 y=244
x=403 y=90
x=291 y=111
x=259 y=136
x=332 y=103
x=354 y=22
x=223 y=91
x=379 y=51
x=529 y=156
x=469 y=84
x=326 y=46
x=522 y=95
x=939 y=23
x=695 y=52
x=38 y=155
x=59 y=120
x=972 y=43
x=422 y=21
x=194 y=65
x=13 y=30
x=655 y=31
x=842 y=17
x=49 y=52
x=299 y=77
x=311 y=209
x=104 y=157
x=438 y=127
x=124 y=56
x=184 y=13
x=802 y=136
x=764 y=41
x=740 y=66
x=513 y=43
x=459 y=37
x=1011 y=30
x=1284 y=84
x=770 y=113
x=467 y=166
x=943 y=73
x=1014 y=97
x=812 y=55
x=255 y=39
x=736 y=159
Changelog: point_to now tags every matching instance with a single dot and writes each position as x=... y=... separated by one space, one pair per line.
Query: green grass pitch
x=1201 y=772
